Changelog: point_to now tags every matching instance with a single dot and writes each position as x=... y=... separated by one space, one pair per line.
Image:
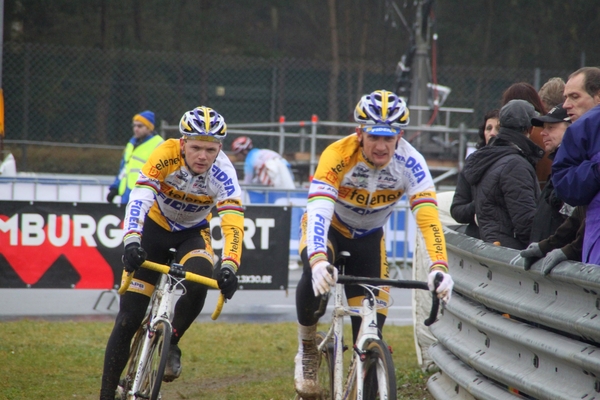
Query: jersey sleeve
x=424 y=207
x=322 y=194
x=142 y=197
x=229 y=208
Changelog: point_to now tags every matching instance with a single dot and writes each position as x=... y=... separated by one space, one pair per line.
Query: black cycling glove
x=133 y=257
x=111 y=194
x=227 y=280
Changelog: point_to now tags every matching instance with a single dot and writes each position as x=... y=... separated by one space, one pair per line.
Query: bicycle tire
x=128 y=376
x=380 y=374
x=154 y=367
x=326 y=365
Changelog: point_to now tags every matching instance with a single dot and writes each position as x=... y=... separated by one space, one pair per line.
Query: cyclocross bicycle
x=371 y=374
x=145 y=368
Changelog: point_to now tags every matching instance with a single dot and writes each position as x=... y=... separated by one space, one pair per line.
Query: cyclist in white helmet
x=263 y=166
x=358 y=181
x=170 y=206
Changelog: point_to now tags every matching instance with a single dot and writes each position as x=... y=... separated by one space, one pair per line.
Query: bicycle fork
x=368 y=331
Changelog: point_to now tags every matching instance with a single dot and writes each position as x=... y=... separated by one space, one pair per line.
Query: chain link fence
x=69 y=110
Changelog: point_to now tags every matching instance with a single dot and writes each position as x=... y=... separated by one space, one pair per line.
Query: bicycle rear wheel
x=153 y=369
x=326 y=364
x=380 y=374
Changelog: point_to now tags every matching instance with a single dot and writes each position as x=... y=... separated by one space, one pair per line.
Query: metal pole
x=281 y=135
x=462 y=144
x=1 y=87
x=313 y=145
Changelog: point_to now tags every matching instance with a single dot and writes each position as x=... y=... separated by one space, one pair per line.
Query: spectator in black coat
x=463 y=205
x=504 y=178
x=548 y=216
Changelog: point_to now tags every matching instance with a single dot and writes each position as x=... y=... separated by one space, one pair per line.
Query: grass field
x=63 y=360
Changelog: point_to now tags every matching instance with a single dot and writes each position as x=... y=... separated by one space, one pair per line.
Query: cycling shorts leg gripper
x=138 y=285
x=367 y=258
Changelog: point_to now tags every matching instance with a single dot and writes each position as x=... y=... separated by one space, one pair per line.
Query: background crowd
x=533 y=182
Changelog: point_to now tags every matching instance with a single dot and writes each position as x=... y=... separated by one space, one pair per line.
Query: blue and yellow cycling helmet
x=382 y=107
x=203 y=123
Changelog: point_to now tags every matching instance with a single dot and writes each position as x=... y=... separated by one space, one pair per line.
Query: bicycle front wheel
x=126 y=381
x=326 y=365
x=380 y=375
x=153 y=368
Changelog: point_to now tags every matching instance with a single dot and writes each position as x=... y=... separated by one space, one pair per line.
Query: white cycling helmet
x=240 y=144
x=203 y=123
x=381 y=107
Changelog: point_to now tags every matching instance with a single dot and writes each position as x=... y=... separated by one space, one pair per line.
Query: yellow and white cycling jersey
x=355 y=198
x=176 y=199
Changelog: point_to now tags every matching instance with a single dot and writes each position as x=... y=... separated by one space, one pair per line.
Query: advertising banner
x=78 y=245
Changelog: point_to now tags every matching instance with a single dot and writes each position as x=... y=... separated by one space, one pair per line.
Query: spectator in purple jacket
x=576 y=167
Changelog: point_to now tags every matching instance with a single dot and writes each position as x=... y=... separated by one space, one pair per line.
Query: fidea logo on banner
x=77 y=229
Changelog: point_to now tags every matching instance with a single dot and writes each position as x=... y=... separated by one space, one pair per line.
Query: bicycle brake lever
x=322 y=306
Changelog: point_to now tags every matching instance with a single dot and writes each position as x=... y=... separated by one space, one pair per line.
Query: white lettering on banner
x=217 y=244
x=59 y=241
x=264 y=224
x=32 y=230
x=12 y=226
x=84 y=228
x=110 y=238
x=249 y=231
x=255 y=279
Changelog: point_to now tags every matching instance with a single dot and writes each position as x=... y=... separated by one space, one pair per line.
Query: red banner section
x=66 y=245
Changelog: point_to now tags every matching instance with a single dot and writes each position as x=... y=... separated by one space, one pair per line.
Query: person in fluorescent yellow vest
x=135 y=155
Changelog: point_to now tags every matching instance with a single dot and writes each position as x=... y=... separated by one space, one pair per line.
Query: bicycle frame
x=368 y=331
x=160 y=311
x=160 y=315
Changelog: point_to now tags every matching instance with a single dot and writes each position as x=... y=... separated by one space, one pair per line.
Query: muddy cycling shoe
x=173 y=367
x=305 y=373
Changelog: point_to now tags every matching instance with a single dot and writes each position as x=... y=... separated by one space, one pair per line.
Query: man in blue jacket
x=576 y=167
x=135 y=155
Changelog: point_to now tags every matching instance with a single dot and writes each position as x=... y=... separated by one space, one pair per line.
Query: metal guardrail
x=510 y=328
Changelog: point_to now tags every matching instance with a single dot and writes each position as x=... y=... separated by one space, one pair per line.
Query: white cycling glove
x=322 y=278
x=444 y=290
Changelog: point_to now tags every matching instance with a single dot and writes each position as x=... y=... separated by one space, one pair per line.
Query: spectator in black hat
x=548 y=216
x=504 y=178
